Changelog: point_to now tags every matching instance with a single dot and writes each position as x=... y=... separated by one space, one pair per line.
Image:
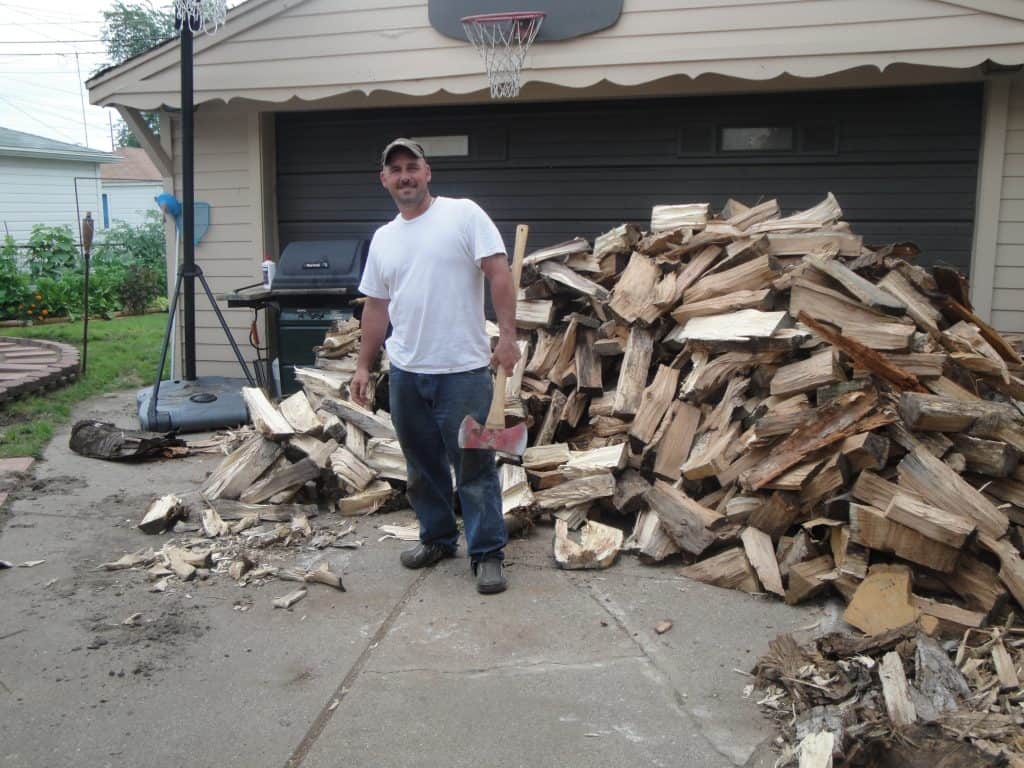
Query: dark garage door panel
x=904 y=166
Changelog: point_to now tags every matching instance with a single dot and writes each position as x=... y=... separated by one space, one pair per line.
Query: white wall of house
x=40 y=191
x=129 y=201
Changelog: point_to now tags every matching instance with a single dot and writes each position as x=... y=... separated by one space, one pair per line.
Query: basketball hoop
x=502 y=40
x=202 y=15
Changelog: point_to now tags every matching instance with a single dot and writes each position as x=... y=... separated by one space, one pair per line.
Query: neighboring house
x=43 y=181
x=129 y=188
x=910 y=111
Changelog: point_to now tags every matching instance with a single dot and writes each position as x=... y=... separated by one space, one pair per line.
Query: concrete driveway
x=404 y=669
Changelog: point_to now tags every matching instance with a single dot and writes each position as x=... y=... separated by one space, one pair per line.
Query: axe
x=494 y=436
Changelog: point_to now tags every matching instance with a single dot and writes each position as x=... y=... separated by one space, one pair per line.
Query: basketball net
x=202 y=15
x=502 y=40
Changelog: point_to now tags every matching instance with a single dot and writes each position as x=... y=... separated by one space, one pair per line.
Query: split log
x=633 y=374
x=819 y=370
x=809 y=578
x=598 y=546
x=682 y=216
x=761 y=554
x=749 y=276
x=882 y=602
x=940 y=486
x=977 y=583
x=351 y=470
x=918 y=306
x=865 y=291
x=868 y=450
x=368 y=422
x=870 y=527
x=650 y=538
x=630 y=492
x=578 y=491
x=947 y=414
x=546 y=456
x=802 y=243
x=884 y=337
x=554 y=413
x=946 y=620
x=588 y=364
x=631 y=298
x=610 y=458
x=688 y=523
x=280 y=480
x=728 y=569
x=896 y=691
x=265 y=417
x=562 y=275
x=368 y=500
x=317 y=451
x=299 y=414
x=161 y=514
x=987 y=457
x=827 y=305
x=385 y=457
x=719 y=305
x=534 y=314
x=674 y=447
x=654 y=401
x=740 y=326
x=934 y=523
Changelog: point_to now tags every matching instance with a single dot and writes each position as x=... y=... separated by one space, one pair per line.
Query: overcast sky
x=41 y=90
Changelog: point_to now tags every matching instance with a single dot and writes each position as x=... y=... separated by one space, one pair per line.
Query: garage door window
x=765 y=138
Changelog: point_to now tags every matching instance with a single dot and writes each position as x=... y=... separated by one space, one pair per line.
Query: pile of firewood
x=900 y=698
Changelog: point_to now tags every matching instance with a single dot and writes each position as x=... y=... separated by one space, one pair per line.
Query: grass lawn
x=123 y=354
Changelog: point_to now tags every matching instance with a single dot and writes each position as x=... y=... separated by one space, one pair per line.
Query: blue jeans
x=427 y=409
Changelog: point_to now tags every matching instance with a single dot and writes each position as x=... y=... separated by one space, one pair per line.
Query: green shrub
x=141 y=284
x=142 y=245
x=51 y=251
x=13 y=283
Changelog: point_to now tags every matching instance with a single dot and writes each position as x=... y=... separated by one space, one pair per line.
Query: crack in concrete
x=334 y=702
x=531 y=667
x=678 y=696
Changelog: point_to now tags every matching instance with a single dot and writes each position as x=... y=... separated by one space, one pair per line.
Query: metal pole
x=86 y=233
x=188 y=202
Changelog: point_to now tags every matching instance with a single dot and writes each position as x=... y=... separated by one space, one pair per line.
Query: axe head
x=475 y=436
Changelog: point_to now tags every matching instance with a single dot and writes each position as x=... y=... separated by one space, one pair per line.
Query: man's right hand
x=359 y=386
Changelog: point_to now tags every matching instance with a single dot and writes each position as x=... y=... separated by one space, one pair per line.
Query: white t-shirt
x=429 y=269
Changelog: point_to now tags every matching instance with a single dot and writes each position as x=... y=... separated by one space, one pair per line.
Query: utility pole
x=110 y=122
x=81 y=96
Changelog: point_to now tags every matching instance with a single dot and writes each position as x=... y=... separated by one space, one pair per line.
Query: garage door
x=902 y=162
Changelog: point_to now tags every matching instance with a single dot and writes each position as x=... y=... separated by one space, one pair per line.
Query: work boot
x=423 y=555
x=490 y=576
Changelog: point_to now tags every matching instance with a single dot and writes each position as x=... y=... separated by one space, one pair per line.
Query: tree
x=128 y=30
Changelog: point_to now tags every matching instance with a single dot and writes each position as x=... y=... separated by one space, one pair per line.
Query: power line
x=50 y=41
x=35 y=119
x=57 y=53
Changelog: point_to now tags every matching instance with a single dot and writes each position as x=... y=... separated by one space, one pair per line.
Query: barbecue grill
x=314 y=285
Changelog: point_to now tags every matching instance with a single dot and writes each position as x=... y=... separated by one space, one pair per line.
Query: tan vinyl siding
x=317 y=49
x=1008 y=296
x=226 y=177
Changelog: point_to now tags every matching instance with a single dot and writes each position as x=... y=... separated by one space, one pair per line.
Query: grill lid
x=321 y=264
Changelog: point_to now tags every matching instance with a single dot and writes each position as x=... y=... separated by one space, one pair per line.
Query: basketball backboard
x=565 y=18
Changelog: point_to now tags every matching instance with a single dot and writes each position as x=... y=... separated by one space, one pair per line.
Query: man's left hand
x=506 y=354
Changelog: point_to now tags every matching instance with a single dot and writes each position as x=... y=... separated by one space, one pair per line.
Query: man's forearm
x=503 y=297
x=375 y=327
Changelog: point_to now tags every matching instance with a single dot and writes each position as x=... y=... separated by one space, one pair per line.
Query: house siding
x=1008 y=293
x=227 y=176
x=130 y=201
x=39 y=191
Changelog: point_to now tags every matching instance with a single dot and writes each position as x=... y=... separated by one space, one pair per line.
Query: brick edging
x=62 y=370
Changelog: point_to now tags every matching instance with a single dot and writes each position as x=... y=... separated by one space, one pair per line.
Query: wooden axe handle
x=496 y=416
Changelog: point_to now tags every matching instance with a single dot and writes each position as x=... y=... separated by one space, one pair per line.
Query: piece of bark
x=806 y=579
x=597 y=548
x=241 y=468
x=864 y=356
x=896 y=690
x=761 y=554
x=351 y=470
x=870 y=528
x=940 y=486
x=673 y=449
x=930 y=521
x=937 y=677
x=728 y=569
x=654 y=402
x=818 y=370
x=277 y=481
x=882 y=602
x=267 y=420
x=300 y=415
x=987 y=457
x=833 y=422
x=161 y=514
x=689 y=524
x=633 y=373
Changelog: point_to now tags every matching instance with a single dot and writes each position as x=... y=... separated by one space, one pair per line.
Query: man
x=425 y=275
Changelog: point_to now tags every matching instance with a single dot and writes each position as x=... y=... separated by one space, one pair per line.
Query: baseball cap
x=407 y=144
